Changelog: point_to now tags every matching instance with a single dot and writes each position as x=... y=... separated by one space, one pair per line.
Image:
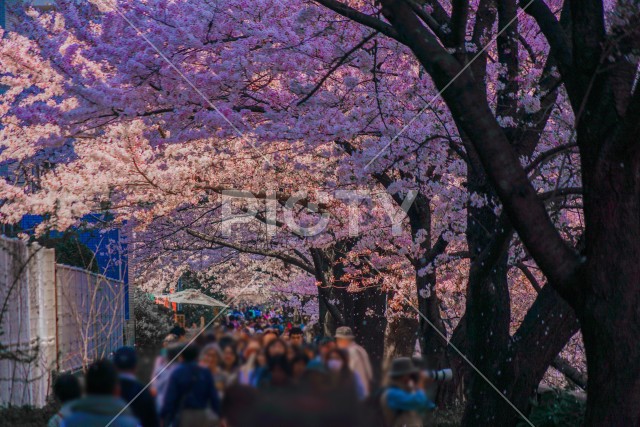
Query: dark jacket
x=143 y=407
x=190 y=387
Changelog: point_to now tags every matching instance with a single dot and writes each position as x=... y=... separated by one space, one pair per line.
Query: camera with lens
x=439 y=375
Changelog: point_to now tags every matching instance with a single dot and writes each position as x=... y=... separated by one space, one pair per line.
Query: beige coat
x=360 y=365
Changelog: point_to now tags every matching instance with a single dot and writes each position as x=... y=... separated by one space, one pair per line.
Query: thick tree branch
x=553 y=32
x=431 y=22
x=508 y=48
x=361 y=18
x=526 y=211
x=561 y=192
x=485 y=17
x=565 y=368
x=588 y=30
x=459 y=16
x=548 y=338
x=530 y=277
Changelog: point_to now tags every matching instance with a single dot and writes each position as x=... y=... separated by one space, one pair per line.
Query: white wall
x=53 y=318
x=27 y=323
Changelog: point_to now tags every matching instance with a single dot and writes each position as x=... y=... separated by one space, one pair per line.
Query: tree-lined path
x=458 y=174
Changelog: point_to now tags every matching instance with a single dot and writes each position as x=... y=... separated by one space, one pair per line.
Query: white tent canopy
x=192 y=296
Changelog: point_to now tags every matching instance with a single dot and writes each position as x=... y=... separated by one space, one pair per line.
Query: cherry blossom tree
x=155 y=110
x=594 y=53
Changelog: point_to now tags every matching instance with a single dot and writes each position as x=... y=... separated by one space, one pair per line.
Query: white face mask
x=334 y=364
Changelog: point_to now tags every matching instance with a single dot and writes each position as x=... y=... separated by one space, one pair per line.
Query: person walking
x=132 y=391
x=229 y=364
x=210 y=358
x=160 y=378
x=162 y=359
x=251 y=370
x=341 y=377
x=66 y=389
x=191 y=399
x=403 y=401
x=358 y=358
x=102 y=404
x=296 y=337
x=325 y=345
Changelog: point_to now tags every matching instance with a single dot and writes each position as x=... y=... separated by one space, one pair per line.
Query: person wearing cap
x=404 y=401
x=133 y=391
x=359 y=362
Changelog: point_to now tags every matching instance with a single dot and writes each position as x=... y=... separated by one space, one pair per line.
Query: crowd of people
x=246 y=372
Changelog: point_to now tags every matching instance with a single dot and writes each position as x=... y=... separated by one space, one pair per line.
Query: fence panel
x=52 y=318
x=91 y=316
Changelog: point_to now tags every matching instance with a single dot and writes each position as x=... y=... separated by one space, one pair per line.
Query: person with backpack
x=191 y=399
x=403 y=401
x=132 y=391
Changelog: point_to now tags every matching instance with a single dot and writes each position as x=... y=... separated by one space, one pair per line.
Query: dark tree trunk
x=363 y=311
x=608 y=303
x=331 y=309
x=454 y=392
x=327 y=320
x=518 y=370
x=488 y=336
x=322 y=314
x=432 y=329
x=434 y=347
x=603 y=285
x=611 y=315
x=400 y=339
x=488 y=311
x=369 y=322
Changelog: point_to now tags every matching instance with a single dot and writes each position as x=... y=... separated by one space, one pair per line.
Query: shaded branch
x=253 y=250
x=548 y=154
x=529 y=275
x=553 y=32
x=361 y=18
x=337 y=65
x=565 y=368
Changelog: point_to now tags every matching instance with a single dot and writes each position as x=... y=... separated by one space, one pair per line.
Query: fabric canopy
x=192 y=296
